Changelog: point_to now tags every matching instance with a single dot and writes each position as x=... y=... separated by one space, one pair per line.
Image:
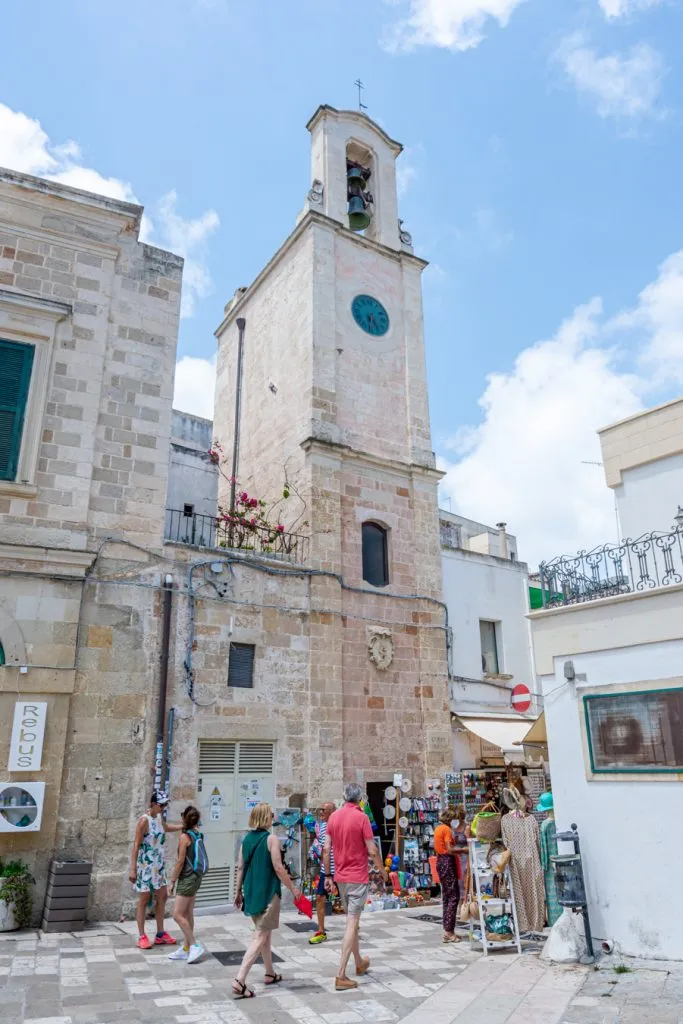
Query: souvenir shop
x=506 y=879
x=403 y=824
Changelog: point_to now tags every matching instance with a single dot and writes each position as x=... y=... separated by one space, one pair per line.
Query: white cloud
x=659 y=317
x=622 y=8
x=195 y=381
x=188 y=238
x=622 y=85
x=26 y=147
x=451 y=24
x=524 y=463
x=405 y=175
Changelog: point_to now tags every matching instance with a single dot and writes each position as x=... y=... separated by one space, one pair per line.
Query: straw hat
x=513 y=799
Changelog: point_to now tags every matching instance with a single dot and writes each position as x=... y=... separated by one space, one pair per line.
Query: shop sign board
x=28 y=732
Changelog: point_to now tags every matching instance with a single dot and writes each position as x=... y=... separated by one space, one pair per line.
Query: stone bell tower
x=334 y=400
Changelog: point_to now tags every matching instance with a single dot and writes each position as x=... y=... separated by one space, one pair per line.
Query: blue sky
x=541 y=178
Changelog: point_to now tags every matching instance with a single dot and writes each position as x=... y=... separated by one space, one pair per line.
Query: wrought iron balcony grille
x=633 y=566
x=184 y=527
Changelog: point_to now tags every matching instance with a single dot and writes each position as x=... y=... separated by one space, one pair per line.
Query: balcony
x=651 y=562
x=184 y=527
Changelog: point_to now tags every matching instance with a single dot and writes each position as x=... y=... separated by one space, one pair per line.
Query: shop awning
x=536 y=736
x=505 y=733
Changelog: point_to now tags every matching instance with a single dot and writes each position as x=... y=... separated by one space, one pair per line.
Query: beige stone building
x=233 y=672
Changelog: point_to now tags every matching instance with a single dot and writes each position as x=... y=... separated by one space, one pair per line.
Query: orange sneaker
x=164 y=940
x=144 y=943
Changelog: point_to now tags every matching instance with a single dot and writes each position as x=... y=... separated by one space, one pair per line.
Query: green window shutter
x=15 y=376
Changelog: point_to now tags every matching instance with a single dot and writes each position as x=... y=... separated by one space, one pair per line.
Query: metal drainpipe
x=241 y=323
x=163 y=679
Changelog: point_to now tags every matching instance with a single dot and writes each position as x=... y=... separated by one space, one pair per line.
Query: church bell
x=355 y=177
x=359 y=216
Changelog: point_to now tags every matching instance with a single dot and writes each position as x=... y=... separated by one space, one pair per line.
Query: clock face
x=370 y=315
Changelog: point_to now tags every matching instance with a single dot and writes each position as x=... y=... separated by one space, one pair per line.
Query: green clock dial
x=370 y=315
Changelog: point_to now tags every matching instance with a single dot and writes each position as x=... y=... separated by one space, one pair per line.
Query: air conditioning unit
x=21 y=806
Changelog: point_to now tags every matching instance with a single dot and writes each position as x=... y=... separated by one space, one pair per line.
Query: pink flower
x=253 y=522
x=244 y=496
x=253 y=503
x=280 y=528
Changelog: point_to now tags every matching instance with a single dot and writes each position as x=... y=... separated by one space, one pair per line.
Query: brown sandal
x=275 y=979
x=241 y=992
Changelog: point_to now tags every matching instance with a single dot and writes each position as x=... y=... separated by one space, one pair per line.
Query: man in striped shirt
x=320 y=894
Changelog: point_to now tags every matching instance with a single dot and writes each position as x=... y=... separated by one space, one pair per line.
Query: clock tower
x=333 y=397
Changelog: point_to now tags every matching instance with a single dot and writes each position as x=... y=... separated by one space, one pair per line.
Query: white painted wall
x=484 y=587
x=630 y=831
x=649 y=496
x=192 y=478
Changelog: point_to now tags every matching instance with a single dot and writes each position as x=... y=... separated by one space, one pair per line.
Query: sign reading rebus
x=28 y=731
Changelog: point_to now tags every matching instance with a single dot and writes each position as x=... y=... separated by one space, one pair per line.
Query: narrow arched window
x=375 y=555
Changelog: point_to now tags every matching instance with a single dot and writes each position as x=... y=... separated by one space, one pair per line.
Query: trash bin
x=66 y=899
x=571 y=891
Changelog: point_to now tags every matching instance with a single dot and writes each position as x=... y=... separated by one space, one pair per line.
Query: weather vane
x=359 y=85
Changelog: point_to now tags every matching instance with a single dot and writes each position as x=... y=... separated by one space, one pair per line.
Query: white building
x=192 y=482
x=485 y=588
x=609 y=652
x=643 y=458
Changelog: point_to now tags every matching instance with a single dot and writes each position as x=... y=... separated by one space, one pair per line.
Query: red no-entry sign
x=521 y=698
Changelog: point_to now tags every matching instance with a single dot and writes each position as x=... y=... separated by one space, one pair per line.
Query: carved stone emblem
x=380 y=647
x=315 y=193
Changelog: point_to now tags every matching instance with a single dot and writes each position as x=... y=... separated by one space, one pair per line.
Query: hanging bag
x=486 y=825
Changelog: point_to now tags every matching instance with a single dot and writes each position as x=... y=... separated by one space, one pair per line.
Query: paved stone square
x=99 y=976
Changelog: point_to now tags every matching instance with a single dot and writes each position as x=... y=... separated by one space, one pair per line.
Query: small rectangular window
x=188 y=511
x=636 y=732
x=241 y=665
x=16 y=362
x=489 y=648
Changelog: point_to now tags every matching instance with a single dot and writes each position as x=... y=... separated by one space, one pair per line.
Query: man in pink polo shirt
x=350 y=833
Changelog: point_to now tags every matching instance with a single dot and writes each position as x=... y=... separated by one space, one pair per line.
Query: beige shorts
x=354 y=896
x=269 y=920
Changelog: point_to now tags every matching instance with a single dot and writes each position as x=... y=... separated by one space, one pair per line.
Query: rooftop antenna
x=359 y=85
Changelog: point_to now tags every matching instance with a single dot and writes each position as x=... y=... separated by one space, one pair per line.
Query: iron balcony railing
x=184 y=527
x=633 y=566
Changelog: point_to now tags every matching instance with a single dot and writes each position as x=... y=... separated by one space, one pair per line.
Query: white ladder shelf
x=479 y=870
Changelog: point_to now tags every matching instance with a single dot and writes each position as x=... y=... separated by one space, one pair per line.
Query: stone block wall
x=276 y=378
x=101 y=415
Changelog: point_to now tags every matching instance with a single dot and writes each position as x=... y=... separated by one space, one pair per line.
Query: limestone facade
x=100 y=312
x=86 y=569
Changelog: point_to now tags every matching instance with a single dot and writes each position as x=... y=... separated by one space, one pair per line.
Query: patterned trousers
x=450 y=890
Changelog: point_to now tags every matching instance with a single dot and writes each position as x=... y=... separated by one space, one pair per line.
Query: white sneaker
x=196 y=952
x=179 y=954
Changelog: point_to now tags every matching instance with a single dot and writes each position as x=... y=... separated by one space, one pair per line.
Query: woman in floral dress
x=148 y=869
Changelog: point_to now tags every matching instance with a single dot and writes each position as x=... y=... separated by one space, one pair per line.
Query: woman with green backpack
x=186 y=878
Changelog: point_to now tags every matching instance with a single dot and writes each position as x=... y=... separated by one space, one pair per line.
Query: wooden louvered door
x=232 y=776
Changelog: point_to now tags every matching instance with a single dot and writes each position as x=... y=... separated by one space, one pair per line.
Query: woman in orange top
x=444 y=847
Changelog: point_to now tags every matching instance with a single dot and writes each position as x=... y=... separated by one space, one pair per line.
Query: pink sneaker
x=144 y=943
x=164 y=940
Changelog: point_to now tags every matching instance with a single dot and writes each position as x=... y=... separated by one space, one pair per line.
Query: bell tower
x=334 y=401
x=355 y=159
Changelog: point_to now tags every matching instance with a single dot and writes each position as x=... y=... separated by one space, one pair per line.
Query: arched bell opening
x=360 y=163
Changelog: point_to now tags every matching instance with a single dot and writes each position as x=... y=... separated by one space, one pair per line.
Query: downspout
x=166 y=608
x=241 y=324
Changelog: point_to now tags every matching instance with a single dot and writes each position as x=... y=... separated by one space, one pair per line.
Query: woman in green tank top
x=260 y=874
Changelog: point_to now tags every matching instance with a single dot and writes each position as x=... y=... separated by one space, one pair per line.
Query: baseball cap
x=159 y=797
